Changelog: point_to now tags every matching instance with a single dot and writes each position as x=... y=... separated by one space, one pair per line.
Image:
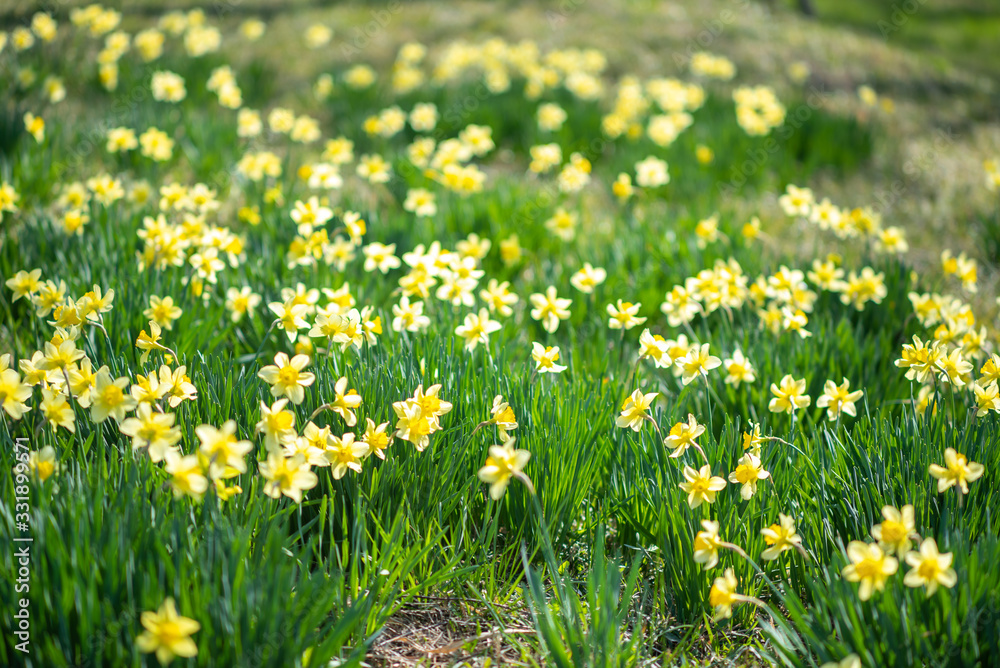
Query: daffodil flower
x=504 y=463
x=168 y=634
x=929 y=568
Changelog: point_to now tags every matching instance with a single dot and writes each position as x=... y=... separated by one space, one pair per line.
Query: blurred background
x=933 y=65
x=962 y=31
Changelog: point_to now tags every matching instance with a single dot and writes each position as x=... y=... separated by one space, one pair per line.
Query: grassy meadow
x=398 y=334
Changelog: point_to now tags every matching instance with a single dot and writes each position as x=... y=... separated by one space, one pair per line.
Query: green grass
x=601 y=559
x=955 y=32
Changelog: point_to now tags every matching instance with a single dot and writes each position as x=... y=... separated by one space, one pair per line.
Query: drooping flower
x=789 y=396
x=13 y=393
x=697 y=363
x=748 y=471
x=503 y=463
x=277 y=425
x=502 y=415
x=780 y=537
x=634 y=410
x=723 y=595
x=683 y=435
x=707 y=544
x=57 y=410
x=654 y=347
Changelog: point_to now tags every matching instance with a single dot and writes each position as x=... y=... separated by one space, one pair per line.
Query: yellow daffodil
x=412 y=425
x=752 y=440
x=549 y=309
x=748 y=471
x=152 y=430
x=163 y=311
x=957 y=471
x=738 y=369
x=837 y=399
x=149 y=342
x=920 y=360
x=894 y=533
x=61 y=356
x=222 y=448
x=476 y=329
x=13 y=393
x=987 y=398
x=57 y=410
x=723 y=595
x=288 y=476
x=502 y=415
x=545 y=358
x=376 y=438
x=634 y=410
x=168 y=634
x=654 y=347
x=789 y=396
x=697 y=363
x=286 y=377
x=707 y=544
x=780 y=537
x=869 y=566
x=588 y=278
x=109 y=397
x=700 y=485
x=503 y=463
x=683 y=435
x=624 y=315
x=290 y=317
x=186 y=475
x=42 y=463
x=277 y=425
x=929 y=568
x=344 y=453
x=345 y=401
x=24 y=283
